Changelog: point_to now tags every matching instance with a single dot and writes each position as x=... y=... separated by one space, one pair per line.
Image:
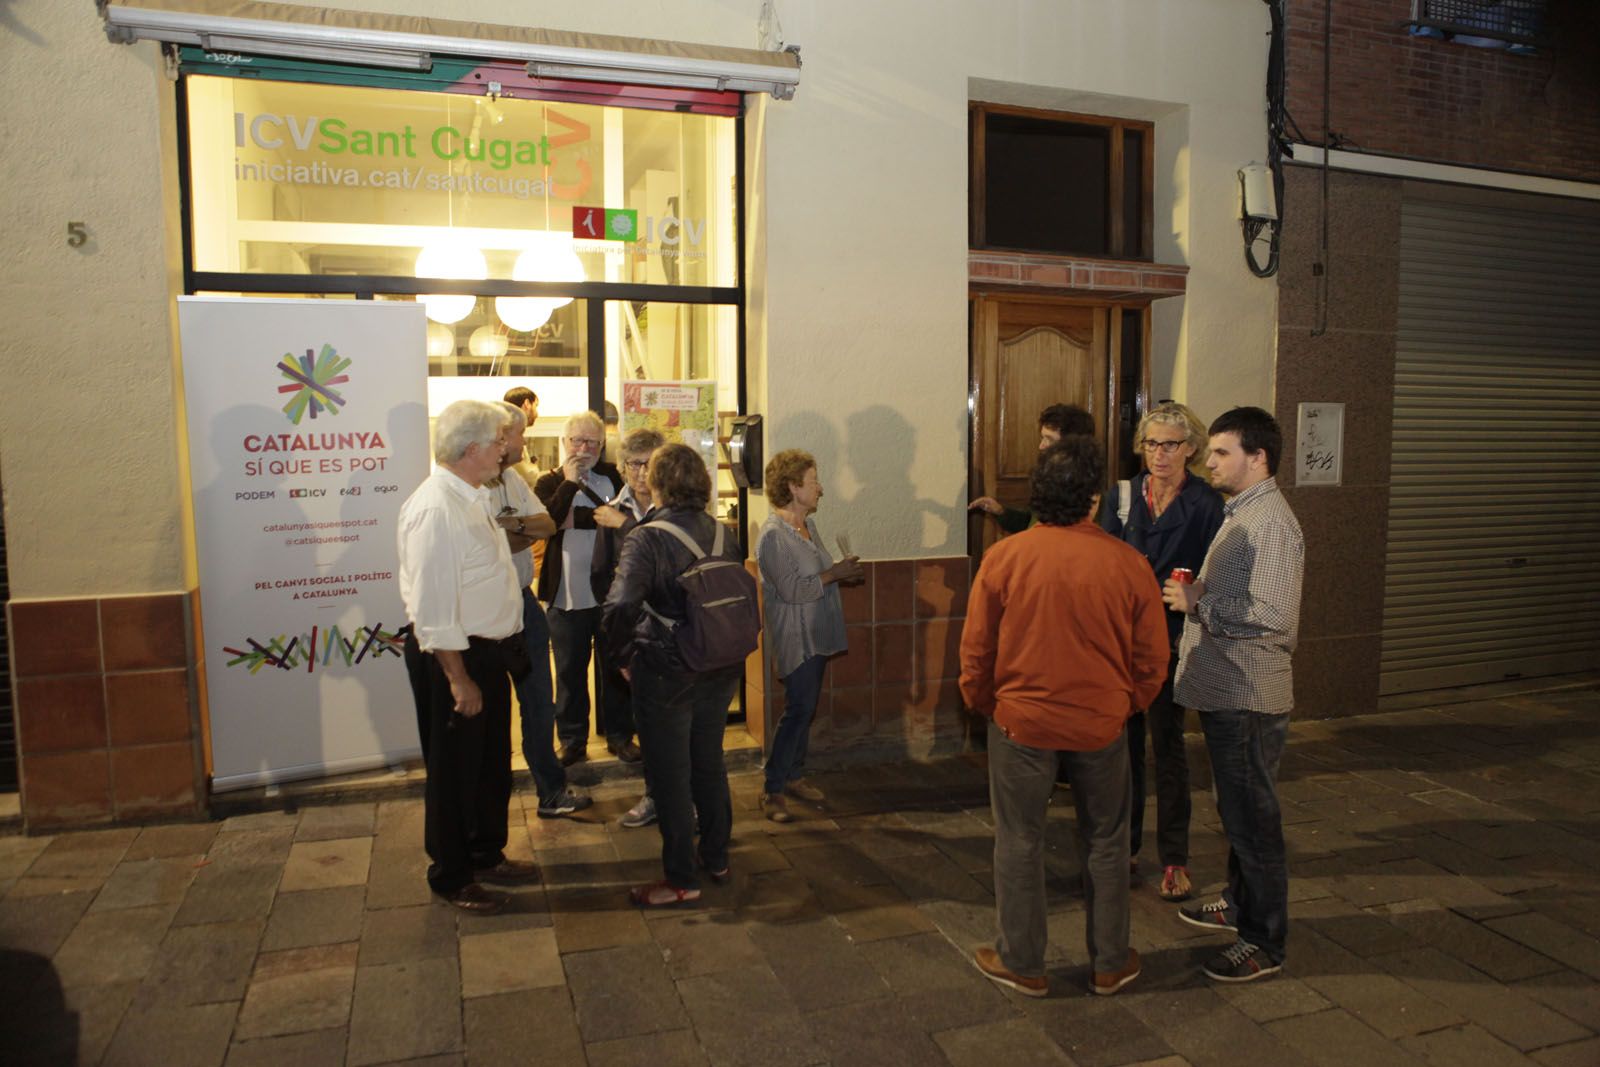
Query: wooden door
x=1029 y=353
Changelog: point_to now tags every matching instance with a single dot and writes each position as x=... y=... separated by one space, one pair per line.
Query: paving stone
x=320 y=1048
x=746 y=1017
x=1510 y=1016
x=603 y=921
x=870 y=1034
x=1542 y=934
x=17 y=853
x=100 y=1010
x=676 y=1049
x=622 y=992
x=1385 y=1003
x=1567 y=993
x=778 y=897
x=1200 y=1026
x=246 y=848
x=112 y=946
x=1499 y=957
x=834 y=862
x=314 y=917
x=506 y=961
x=192 y=1036
x=405 y=1011
x=872 y=912
x=935 y=877
x=181 y=839
x=698 y=943
x=819 y=965
x=262 y=820
x=43 y=1024
x=937 y=983
x=1362 y=933
x=1094 y=1031
x=1575 y=1054
x=525 y=909
x=327 y=864
x=143 y=883
x=1335 y=1038
x=203 y=964
x=229 y=893
x=71 y=863
x=1012 y=1041
x=530 y=1025
x=40 y=924
x=399 y=825
x=1280 y=998
x=398 y=878
x=1464 y=1044
x=395 y=935
x=333 y=821
x=298 y=990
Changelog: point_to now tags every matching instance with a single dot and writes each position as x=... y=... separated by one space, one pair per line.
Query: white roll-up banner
x=308 y=427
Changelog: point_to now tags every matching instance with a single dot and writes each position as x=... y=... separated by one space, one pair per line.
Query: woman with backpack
x=804 y=618
x=680 y=704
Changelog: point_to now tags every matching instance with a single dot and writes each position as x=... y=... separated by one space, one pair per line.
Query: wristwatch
x=520 y=526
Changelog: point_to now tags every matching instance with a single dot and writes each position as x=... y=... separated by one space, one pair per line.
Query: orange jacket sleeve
x=1151 y=647
x=980 y=637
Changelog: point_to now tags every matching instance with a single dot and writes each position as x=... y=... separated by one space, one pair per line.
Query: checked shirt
x=1237 y=642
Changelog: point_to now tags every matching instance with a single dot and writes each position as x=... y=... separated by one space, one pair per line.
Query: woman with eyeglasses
x=1171 y=517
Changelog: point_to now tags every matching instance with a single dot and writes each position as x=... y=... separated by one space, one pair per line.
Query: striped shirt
x=1236 y=647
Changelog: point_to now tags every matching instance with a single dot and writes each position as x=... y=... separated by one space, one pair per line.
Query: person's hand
x=1182 y=596
x=627 y=675
x=847 y=570
x=609 y=517
x=469 y=698
x=986 y=504
x=575 y=467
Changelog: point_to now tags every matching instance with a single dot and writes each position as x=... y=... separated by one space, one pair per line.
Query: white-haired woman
x=1171 y=518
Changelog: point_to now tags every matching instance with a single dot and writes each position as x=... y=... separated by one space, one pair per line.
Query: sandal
x=720 y=876
x=662 y=895
x=1175 y=883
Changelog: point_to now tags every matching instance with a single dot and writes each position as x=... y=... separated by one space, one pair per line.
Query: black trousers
x=469 y=763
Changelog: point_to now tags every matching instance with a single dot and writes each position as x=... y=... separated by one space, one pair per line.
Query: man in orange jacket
x=1064 y=639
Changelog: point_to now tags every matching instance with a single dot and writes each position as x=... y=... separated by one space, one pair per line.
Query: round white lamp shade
x=448 y=260
x=487 y=342
x=549 y=258
x=441 y=341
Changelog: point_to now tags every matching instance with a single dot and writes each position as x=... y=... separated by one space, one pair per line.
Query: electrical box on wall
x=745 y=451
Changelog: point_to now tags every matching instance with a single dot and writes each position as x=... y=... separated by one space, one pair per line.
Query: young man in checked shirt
x=1242 y=614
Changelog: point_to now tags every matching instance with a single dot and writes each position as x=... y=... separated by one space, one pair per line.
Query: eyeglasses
x=589 y=442
x=1150 y=444
x=636 y=464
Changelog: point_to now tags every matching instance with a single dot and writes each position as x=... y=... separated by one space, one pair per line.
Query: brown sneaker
x=774 y=807
x=1108 y=982
x=804 y=790
x=988 y=961
x=509 y=871
x=475 y=899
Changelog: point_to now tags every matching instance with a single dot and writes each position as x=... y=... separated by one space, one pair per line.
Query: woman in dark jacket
x=1171 y=518
x=681 y=713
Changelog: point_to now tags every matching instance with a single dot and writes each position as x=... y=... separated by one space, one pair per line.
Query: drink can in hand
x=1182 y=575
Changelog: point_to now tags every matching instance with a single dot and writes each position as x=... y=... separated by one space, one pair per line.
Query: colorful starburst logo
x=311 y=383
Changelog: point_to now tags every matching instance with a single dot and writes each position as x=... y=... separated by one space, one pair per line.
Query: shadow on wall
x=878 y=450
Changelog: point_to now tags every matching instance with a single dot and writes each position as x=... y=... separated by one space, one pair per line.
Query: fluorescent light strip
x=388 y=48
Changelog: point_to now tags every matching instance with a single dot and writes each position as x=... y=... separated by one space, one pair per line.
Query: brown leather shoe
x=509 y=871
x=988 y=961
x=475 y=900
x=1108 y=982
x=573 y=754
x=627 y=752
x=774 y=807
x=804 y=790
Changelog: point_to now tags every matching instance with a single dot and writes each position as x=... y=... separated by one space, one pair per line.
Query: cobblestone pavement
x=1443 y=902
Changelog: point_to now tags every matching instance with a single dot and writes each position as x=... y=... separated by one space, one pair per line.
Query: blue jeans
x=802 y=687
x=1021 y=779
x=537 y=706
x=1246 y=748
x=682 y=719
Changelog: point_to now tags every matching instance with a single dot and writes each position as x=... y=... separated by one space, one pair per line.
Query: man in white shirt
x=460 y=592
x=525 y=521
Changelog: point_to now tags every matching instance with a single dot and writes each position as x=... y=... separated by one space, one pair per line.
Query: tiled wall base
x=107 y=717
x=895 y=691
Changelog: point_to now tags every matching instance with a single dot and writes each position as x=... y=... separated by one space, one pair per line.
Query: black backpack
x=723 y=619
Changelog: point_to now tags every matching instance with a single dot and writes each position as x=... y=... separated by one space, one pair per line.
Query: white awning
x=410 y=42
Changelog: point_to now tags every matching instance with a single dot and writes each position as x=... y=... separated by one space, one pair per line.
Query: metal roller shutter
x=1493 y=564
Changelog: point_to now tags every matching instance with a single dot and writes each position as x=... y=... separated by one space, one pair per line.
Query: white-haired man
x=573 y=581
x=460 y=592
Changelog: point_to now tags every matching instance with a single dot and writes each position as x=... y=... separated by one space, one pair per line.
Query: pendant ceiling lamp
x=450 y=260
x=549 y=258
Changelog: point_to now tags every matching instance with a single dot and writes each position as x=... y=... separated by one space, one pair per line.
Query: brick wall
x=1449 y=103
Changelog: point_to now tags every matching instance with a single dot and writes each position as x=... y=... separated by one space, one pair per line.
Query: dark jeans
x=469 y=764
x=536 y=706
x=1165 y=722
x=1021 y=779
x=1246 y=748
x=682 y=719
x=801 y=689
x=572 y=635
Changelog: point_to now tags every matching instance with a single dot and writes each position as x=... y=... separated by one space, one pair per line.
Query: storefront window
x=298 y=178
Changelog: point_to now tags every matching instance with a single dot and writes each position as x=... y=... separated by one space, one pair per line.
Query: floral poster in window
x=686 y=412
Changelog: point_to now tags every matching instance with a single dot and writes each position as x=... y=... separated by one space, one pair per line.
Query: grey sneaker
x=1240 y=962
x=565 y=802
x=641 y=814
x=1215 y=916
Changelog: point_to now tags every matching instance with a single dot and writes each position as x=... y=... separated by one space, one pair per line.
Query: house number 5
x=77 y=234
